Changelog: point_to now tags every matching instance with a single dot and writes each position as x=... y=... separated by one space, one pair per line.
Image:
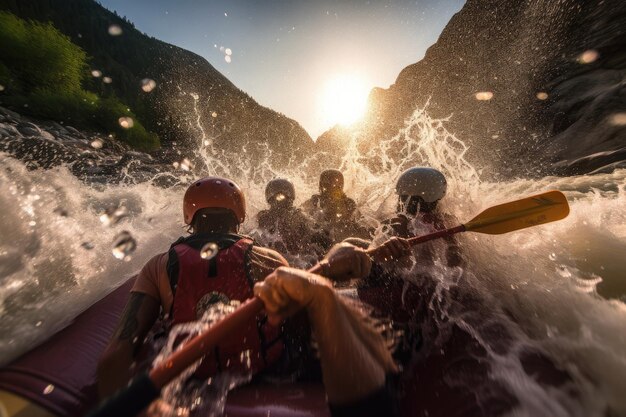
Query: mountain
x=192 y=101
x=555 y=73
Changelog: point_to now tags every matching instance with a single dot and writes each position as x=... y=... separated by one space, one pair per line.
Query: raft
x=58 y=378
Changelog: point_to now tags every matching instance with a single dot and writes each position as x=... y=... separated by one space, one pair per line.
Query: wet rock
x=8 y=130
x=9 y=114
x=29 y=129
x=75 y=132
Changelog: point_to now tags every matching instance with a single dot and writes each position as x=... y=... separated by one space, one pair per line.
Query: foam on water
x=56 y=255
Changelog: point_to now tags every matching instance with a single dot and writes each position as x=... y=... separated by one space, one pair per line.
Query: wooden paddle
x=527 y=212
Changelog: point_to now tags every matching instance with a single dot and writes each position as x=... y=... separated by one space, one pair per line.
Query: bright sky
x=312 y=60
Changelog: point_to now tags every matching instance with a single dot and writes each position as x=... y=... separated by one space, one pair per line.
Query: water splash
x=187 y=394
x=48 y=275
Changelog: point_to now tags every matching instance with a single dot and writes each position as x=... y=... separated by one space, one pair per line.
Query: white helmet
x=277 y=187
x=427 y=183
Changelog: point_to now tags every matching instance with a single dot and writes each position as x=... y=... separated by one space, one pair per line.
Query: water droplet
x=148 y=85
x=209 y=251
x=484 y=95
x=563 y=271
x=32 y=223
x=87 y=245
x=542 y=95
x=47 y=390
x=107 y=80
x=175 y=165
x=97 y=144
x=1 y=87
x=126 y=122
x=186 y=165
x=113 y=215
x=552 y=256
x=115 y=30
x=124 y=244
x=214 y=114
x=39 y=323
x=618 y=119
x=228 y=59
x=589 y=56
x=96 y=73
x=227 y=51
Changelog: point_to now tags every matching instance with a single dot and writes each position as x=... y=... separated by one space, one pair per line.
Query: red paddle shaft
x=200 y=345
x=197 y=347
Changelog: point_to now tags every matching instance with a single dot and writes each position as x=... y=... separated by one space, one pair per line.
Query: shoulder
x=147 y=281
x=155 y=263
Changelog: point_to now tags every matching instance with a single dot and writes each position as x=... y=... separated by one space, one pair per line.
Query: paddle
x=145 y=388
x=504 y=218
x=508 y=217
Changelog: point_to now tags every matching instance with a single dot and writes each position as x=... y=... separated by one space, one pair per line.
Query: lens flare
x=589 y=56
x=148 y=85
x=115 y=30
x=484 y=95
x=126 y=122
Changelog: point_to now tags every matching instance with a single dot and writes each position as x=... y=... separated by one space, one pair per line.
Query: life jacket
x=198 y=283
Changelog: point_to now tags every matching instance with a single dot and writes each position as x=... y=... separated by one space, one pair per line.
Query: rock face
x=192 y=102
x=555 y=73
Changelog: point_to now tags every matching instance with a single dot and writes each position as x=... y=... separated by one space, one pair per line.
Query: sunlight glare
x=344 y=100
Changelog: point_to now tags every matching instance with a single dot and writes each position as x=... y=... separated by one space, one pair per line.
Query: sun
x=343 y=100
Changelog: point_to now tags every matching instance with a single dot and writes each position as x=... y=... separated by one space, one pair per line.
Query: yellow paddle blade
x=520 y=214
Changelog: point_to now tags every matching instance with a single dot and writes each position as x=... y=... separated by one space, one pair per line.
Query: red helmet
x=214 y=192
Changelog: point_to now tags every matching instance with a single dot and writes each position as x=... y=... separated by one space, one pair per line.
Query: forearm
x=115 y=365
x=115 y=368
x=352 y=358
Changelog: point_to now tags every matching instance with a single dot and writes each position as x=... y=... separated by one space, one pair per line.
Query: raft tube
x=58 y=378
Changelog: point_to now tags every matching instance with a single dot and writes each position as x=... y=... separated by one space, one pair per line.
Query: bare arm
x=353 y=355
x=114 y=367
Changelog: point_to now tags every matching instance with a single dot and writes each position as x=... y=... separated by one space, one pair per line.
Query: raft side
x=60 y=374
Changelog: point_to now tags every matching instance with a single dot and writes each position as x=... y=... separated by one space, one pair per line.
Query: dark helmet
x=427 y=183
x=279 y=189
x=331 y=180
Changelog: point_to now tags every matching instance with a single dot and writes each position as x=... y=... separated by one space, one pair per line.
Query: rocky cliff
x=192 y=101
x=533 y=86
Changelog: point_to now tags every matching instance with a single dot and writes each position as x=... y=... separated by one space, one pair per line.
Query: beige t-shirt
x=154 y=281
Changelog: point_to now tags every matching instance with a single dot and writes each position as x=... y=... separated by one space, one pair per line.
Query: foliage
x=39 y=56
x=43 y=72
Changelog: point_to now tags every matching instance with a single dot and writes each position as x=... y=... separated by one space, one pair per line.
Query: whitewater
x=560 y=287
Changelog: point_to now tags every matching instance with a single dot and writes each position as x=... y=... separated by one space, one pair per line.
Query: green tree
x=44 y=70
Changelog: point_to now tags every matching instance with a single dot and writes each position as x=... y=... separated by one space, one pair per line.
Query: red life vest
x=197 y=283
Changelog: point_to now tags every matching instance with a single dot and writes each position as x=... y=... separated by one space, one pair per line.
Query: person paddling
x=333 y=210
x=185 y=281
x=285 y=227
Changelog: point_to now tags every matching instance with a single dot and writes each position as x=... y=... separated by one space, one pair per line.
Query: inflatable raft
x=58 y=378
